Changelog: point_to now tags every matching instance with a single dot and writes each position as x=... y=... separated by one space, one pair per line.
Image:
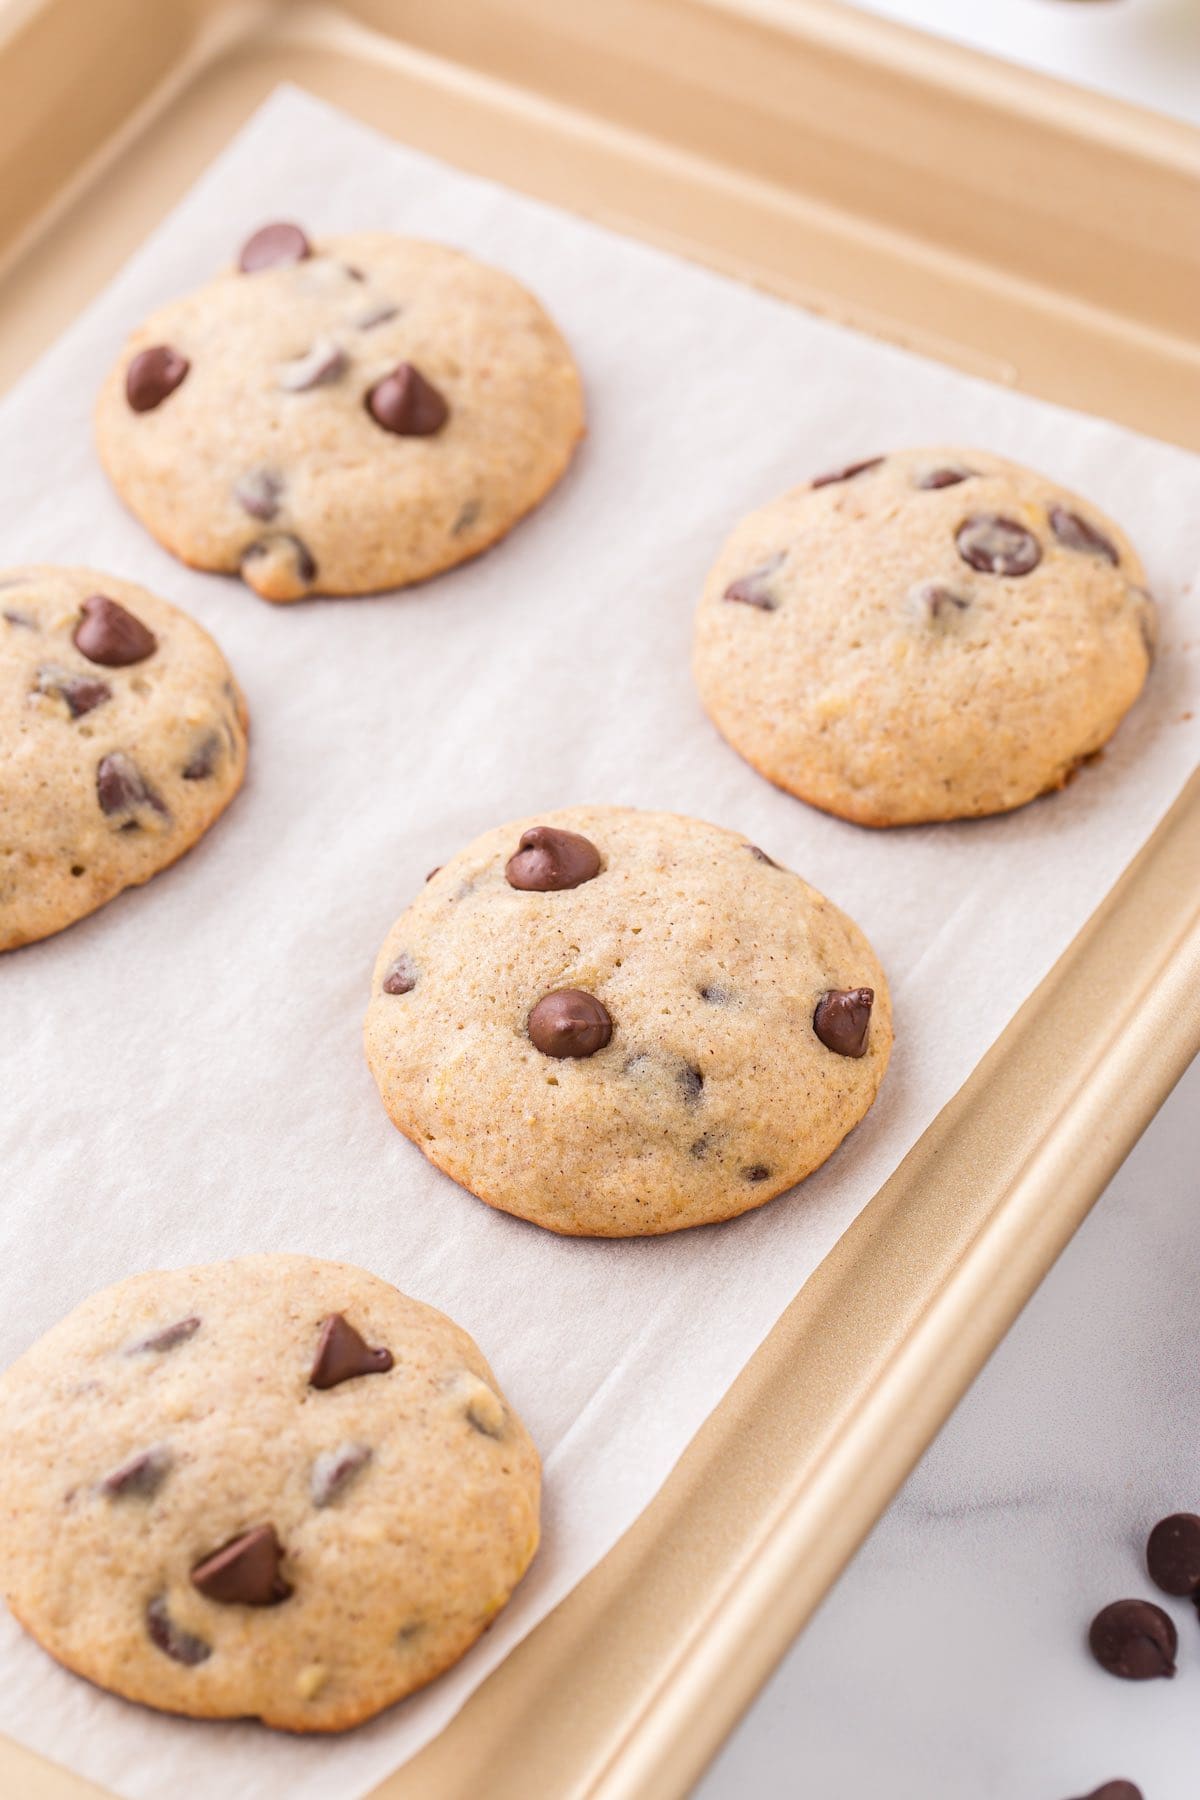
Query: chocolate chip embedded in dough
x=325 y=362
x=181 y=1646
x=691 y=1084
x=757 y=1172
x=379 y=314
x=405 y=403
x=1077 y=533
x=203 y=759
x=152 y=375
x=842 y=1020
x=258 y=493
x=548 y=860
x=944 y=476
x=122 y=788
x=245 y=1571
x=273 y=246
x=165 y=1337
x=753 y=588
x=80 y=693
x=287 y=545
x=109 y=634
x=997 y=546
x=334 y=1470
x=141 y=1476
x=569 y=1022
x=935 y=603
x=401 y=977
x=762 y=857
x=342 y=1354
x=848 y=473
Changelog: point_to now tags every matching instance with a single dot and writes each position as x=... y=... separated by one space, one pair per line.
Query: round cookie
x=340 y=417
x=273 y=1487
x=122 y=737
x=934 y=634
x=616 y=1023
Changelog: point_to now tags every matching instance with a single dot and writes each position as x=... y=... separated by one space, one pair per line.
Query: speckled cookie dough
x=122 y=738
x=933 y=634
x=341 y=416
x=272 y=1488
x=616 y=1023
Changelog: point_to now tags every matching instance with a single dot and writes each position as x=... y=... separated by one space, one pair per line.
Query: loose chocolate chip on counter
x=401 y=978
x=997 y=546
x=288 y=544
x=377 y=315
x=203 y=760
x=935 y=603
x=110 y=635
x=752 y=589
x=848 y=473
x=547 y=860
x=122 y=788
x=342 y=1354
x=324 y=362
x=176 y=1643
x=757 y=1172
x=762 y=857
x=1114 y=1790
x=1077 y=534
x=947 y=475
x=842 y=1019
x=152 y=375
x=691 y=1084
x=79 y=692
x=245 y=1571
x=271 y=246
x=333 y=1471
x=1173 y=1554
x=1134 y=1639
x=404 y=402
x=140 y=1477
x=569 y=1022
x=166 y=1337
x=258 y=492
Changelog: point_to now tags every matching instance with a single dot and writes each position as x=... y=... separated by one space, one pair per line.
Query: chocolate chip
x=245 y=1571
x=434 y=871
x=936 y=604
x=715 y=995
x=203 y=760
x=379 y=314
x=333 y=1470
x=997 y=546
x=324 y=362
x=762 y=857
x=258 y=493
x=699 y=1147
x=404 y=402
x=152 y=375
x=122 y=788
x=178 y=1644
x=284 y=543
x=272 y=246
x=467 y=516
x=166 y=1337
x=1134 y=1639
x=141 y=1476
x=752 y=590
x=352 y=273
x=842 y=1019
x=110 y=635
x=1173 y=1554
x=848 y=473
x=569 y=1022
x=691 y=1083
x=80 y=693
x=757 y=1172
x=1114 y=1790
x=342 y=1354
x=23 y=620
x=1077 y=534
x=547 y=860
x=948 y=475
x=401 y=978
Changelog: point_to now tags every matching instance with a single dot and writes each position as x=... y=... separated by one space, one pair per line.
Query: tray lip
x=794 y=17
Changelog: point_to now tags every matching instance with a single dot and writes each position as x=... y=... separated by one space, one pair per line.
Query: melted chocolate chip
x=122 y=788
x=166 y=1337
x=152 y=375
x=1077 y=533
x=110 y=635
x=842 y=1020
x=245 y=1571
x=1173 y=1554
x=948 y=475
x=323 y=363
x=334 y=1470
x=140 y=1477
x=935 y=603
x=751 y=589
x=757 y=1172
x=547 y=860
x=691 y=1084
x=379 y=314
x=80 y=693
x=401 y=978
x=1134 y=1639
x=569 y=1022
x=272 y=246
x=181 y=1646
x=997 y=546
x=405 y=403
x=287 y=543
x=203 y=760
x=848 y=473
x=342 y=1354
x=762 y=857
x=258 y=493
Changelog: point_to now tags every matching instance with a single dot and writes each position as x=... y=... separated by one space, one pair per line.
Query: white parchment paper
x=181 y=1076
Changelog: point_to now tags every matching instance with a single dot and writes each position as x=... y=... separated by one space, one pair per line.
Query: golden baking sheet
x=819 y=153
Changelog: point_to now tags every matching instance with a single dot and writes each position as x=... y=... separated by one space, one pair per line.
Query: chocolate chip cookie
x=341 y=416
x=122 y=737
x=934 y=634
x=614 y=1022
x=273 y=1488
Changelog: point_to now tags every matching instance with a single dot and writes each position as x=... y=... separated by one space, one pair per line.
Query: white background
x=949 y=1663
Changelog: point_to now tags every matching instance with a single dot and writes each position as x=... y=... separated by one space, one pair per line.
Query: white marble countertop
x=950 y=1662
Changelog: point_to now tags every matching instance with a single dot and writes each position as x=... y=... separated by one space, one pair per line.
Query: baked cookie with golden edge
x=271 y=1488
x=341 y=416
x=122 y=738
x=934 y=634
x=617 y=1023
